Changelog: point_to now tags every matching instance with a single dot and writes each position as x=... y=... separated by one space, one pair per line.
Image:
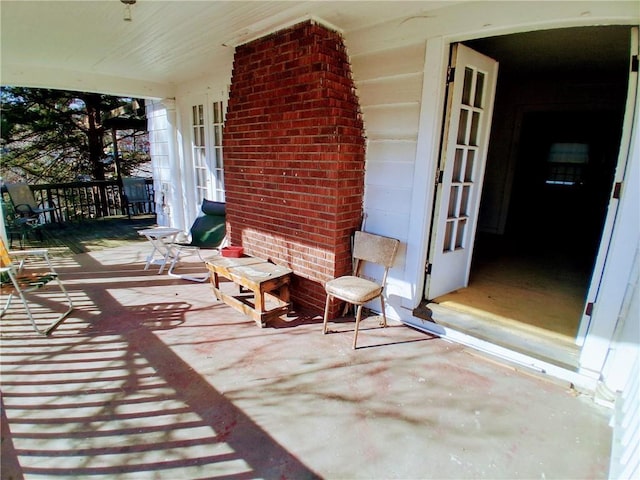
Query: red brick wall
x=294 y=151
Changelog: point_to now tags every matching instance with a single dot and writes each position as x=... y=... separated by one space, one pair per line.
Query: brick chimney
x=294 y=149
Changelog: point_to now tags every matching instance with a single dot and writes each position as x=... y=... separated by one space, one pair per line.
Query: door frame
x=601 y=329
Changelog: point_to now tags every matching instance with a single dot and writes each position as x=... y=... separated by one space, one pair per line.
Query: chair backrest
x=375 y=248
x=209 y=229
x=21 y=194
x=135 y=188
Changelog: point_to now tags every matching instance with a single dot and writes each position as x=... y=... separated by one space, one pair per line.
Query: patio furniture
x=17 y=226
x=161 y=239
x=208 y=232
x=357 y=290
x=25 y=204
x=33 y=271
x=266 y=282
x=135 y=195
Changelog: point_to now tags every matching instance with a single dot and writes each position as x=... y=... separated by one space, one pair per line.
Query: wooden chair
x=25 y=277
x=356 y=290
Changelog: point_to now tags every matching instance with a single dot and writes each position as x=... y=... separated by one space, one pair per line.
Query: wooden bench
x=266 y=283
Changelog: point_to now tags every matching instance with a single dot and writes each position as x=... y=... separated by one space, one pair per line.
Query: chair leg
x=53 y=325
x=358 y=317
x=175 y=257
x=326 y=314
x=384 y=315
x=6 y=305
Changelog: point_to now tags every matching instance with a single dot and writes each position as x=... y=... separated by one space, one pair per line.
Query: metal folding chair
x=22 y=278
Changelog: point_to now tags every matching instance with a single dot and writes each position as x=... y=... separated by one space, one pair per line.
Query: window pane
x=448 y=235
x=457 y=165
x=475 y=125
x=453 y=202
x=218 y=155
x=460 y=233
x=216 y=112
x=467 y=86
x=464 y=201
x=479 y=97
x=462 y=127
x=468 y=174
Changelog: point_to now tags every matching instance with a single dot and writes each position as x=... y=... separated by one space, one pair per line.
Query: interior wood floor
x=530 y=302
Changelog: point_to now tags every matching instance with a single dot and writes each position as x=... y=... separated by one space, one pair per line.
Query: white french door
x=463 y=155
x=207 y=122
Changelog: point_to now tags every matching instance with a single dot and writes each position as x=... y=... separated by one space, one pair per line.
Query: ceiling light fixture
x=127 y=9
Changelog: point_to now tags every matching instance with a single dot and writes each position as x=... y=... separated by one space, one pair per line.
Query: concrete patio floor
x=151 y=377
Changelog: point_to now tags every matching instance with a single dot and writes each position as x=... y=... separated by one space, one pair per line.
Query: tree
x=53 y=136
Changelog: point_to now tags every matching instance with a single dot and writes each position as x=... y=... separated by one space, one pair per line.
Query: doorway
x=553 y=150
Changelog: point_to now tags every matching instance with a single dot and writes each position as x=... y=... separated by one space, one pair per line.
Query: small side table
x=162 y=251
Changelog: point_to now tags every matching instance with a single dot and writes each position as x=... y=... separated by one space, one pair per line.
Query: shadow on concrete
x=105 y=396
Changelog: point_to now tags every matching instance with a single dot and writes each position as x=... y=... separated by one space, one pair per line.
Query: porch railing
x=82 y=200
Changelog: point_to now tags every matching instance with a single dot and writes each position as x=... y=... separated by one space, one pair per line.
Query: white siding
x=625 y=446
x=389 y=84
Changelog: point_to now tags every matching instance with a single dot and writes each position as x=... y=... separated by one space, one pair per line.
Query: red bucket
x=233 y=252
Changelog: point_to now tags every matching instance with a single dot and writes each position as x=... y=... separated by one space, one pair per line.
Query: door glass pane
x=453 y=202
x=468 y=174
x=475 y=125
x=217 y=117
x=464 y=201
x=457 y=165
x=219 y=181
x=467 y=86
x=460 y=231
x=479 y=97
x=448 y=236
x=462 y=126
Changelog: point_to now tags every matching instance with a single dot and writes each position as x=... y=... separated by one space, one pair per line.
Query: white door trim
x=428 y=147
x=615 y=258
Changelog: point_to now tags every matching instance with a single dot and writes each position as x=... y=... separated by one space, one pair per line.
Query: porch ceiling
x=82 y=44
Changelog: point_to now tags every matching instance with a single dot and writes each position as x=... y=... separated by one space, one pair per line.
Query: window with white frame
x=218 y=164
x=207 y=125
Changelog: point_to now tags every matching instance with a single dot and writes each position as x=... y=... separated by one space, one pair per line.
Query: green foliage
x=51 y=136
